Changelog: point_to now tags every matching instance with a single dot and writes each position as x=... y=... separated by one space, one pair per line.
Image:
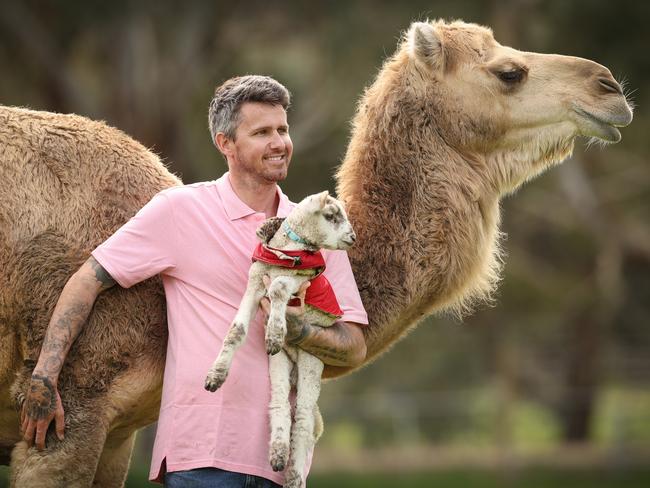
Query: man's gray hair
x=233 y=93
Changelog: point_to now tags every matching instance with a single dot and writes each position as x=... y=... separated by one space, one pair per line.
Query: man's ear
x=223 y=143
x=426 y=45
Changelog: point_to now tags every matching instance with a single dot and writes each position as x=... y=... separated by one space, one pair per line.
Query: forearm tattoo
x=60 y=335
x=297 y=329
x=41 y=401
x=333 y=345
x=101 y=274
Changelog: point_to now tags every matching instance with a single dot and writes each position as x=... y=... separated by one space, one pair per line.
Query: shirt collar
x=236 y=209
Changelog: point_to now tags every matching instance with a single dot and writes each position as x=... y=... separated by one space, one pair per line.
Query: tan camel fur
x=453 y=122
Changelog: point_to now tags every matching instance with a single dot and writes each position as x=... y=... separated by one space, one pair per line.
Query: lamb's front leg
x=280 y=291
x=310 y=369
x=236 y=334
x=280 y=367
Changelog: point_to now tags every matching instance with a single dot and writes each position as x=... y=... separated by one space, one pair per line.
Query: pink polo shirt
x=200 y=239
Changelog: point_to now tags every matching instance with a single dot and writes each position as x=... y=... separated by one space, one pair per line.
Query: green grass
x=481 y=478
x=457 y=478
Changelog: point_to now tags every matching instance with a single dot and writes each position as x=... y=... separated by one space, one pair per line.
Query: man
x=199 y=238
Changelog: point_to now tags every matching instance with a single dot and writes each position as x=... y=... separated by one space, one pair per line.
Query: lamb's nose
x=353 y=237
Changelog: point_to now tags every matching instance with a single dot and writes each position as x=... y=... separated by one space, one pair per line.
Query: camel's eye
x=512 y=76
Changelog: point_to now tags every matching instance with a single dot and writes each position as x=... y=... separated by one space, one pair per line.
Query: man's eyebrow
x=265 y=127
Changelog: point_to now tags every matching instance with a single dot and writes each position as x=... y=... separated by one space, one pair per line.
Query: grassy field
x=532 y=478
x=457 y=478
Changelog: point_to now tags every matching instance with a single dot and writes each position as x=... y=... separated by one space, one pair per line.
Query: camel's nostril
x=610 y=85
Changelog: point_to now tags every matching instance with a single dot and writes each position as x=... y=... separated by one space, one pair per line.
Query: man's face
x=262 y=146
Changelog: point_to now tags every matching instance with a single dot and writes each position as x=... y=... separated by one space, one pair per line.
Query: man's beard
x=265 y=173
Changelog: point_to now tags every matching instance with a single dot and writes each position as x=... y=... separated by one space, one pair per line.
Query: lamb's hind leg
x=236 y=335
x=310 y=369
x=280 y=292
x=280 y=367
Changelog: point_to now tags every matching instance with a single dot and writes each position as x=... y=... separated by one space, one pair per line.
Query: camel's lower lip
x=598 y=127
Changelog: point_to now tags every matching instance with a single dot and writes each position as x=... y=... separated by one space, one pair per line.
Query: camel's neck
x=426 y=224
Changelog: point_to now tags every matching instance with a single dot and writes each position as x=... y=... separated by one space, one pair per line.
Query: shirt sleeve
x=339 y=273
x=143 y=247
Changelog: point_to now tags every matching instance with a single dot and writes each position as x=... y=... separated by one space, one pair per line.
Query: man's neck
x=258 y=195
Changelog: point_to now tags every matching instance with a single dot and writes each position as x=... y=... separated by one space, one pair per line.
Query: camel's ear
x=322 y=199
x=426 y=45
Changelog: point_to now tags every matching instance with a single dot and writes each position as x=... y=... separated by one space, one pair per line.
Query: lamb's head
x=321 y=220
x=518 y=112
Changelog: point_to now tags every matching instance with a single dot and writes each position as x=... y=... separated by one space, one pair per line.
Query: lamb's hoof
x=278 y=455
x=272 y=347
x=293 y=479
x=214 y=380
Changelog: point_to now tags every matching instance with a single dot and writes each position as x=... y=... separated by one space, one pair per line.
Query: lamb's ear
x=426 y=45
x=268 y=229
x=322 y=199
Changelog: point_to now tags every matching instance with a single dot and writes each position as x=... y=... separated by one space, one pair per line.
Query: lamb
x=319 y=221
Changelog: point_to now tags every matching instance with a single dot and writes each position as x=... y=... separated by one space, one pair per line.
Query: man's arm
x=42 y=402
x=342 y=344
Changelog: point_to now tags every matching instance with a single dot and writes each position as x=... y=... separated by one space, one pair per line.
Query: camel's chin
x=606 y=133
x=596 y=127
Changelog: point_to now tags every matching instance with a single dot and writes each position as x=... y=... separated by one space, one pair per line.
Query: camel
x=453 y=122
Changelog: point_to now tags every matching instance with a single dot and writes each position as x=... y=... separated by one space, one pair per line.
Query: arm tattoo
x=333 y=345
x=297 y=329
x=59 y=337
x=101 y=274
x=41 y=400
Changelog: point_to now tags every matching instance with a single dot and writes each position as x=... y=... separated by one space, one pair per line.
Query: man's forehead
x=261 y=114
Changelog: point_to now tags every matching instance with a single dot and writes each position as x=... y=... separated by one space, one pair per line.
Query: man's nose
x=277 y=141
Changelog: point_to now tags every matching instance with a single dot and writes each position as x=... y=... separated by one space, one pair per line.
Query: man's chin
x=276 y=175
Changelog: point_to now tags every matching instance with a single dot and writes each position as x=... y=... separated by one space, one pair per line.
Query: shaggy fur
x=68 y=184
x=437 y=140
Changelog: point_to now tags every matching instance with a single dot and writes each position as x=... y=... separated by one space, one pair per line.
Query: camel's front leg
x=114 y=461
x=71 y=462
x=280 y=367
x=310 y=369
x=237 y=333
x=280 y=291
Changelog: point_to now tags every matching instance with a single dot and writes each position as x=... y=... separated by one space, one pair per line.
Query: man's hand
x=341 y=344
x=295 y=322
x=41 y=405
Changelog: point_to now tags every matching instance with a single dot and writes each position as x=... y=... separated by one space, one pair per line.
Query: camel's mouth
x=604 y=128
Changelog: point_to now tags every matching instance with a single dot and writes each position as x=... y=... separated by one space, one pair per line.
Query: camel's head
x=519 y=111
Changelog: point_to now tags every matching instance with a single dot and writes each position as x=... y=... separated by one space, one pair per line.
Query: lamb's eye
x=511 y=77
x=329 y=217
